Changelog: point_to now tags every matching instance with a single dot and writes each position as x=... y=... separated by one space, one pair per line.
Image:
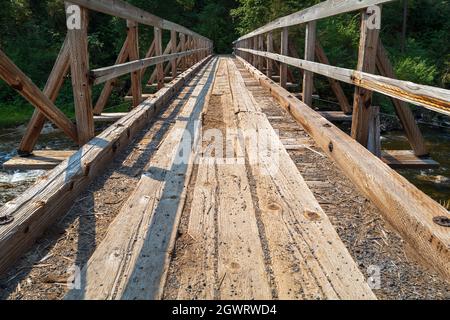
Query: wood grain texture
x=81 y=86
x=308 y=77
x=405 y=207
x=129 y=263
x=38 y=207
x=432 y=98
x=133 y=54
x=363 y=111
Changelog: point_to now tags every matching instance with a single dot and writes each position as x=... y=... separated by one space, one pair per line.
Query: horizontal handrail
x=107 y=73
x=127 y=11
x=436 y=99
x=322 y=10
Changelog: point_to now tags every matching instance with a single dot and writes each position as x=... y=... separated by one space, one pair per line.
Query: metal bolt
x=442 y=221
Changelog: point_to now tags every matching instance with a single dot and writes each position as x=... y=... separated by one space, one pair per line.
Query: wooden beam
x=104 y=74
x=127 y=11
x=269 y=49
x=38 y=207
x=154 y=74
x=404 y=113
x=432 y=98
x=363 y=111
x=336 y=116
x=173 y=39
x=335 y=85
x=38 y=160
x=158 y=52
x=79 y=66
x=405 y=207
x=322 y=10
x=308 y=76
x=51 y=90
x=406 y=159
x=261 y=48
x=183 y=63
x=15 y=78
x=284 y=47
x=108 y=87
x=136 y=85
x=115 y=274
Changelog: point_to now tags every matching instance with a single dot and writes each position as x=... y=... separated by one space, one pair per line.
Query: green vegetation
x=33 y=31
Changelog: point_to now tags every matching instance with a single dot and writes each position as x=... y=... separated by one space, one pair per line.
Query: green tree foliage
x=32 y=32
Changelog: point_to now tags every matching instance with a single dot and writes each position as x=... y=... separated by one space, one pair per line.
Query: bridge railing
x=417 y=217
x=184 y=49
x=257 y=47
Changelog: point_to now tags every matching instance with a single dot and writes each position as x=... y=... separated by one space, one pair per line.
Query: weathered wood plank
x=308 y=77
x=222 y=212
x=405 y=207
x=336 y=116
x=35 y=209
x=363 y=111
x=130 y=262
x=284 y=50
x=127 y=11
x=309 y=260
x=435 y=99
x=104 y=74
x=38 y=160
x=133 y=54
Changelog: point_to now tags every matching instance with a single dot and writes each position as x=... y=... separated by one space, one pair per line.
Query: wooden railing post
x=284 y=51
x=133 y=51
x=158 y=52
x=79 y=66
x=183 y=49
x=173 y=37
x=362 y=105
x=308 y=77
x=261 y=48
x=269 y=62
x=255 y=58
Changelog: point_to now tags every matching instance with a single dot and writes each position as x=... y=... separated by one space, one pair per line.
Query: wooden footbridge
x=221 y=208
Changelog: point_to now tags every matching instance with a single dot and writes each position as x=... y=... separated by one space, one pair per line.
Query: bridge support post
x=133 y=50
x=173 y=37
x=269 y=62
x=158 y=52
x=308 y=77
x=363 y=111
x=79 y=63
x=284 y=50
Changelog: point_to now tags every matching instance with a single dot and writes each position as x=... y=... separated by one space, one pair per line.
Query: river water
x=434 y=182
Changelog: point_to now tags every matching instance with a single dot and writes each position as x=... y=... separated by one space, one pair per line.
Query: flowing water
x=434 y=182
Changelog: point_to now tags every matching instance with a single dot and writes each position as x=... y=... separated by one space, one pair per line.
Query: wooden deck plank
x=406 y=208
x=39 y=160
x=39 y=206
x=110 y=117
x=402 y=159
x=130 y=263
x=222 y=216
x=309 y=260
